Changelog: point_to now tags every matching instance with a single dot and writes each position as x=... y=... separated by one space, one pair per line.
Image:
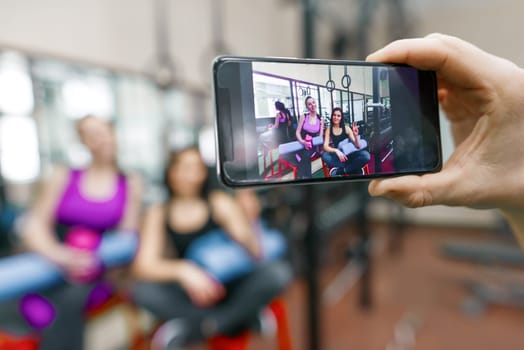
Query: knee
x=142 y=292
x=278 y=276
x=366 y=157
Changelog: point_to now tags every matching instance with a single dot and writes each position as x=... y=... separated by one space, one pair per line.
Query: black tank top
x=182 y=241
x=336 y=139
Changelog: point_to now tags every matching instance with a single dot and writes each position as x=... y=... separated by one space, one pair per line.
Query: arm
x=327 y=140
x=352 y=136
x=275 y=124
x=328 y=148
x=229 y=215
x=38 y=234
x=484 y=107
x=277 y=121
x=131 y=218
x=150 y=263
x=298 y=132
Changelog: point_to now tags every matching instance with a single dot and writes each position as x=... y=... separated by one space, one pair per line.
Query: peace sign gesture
x=354 y=127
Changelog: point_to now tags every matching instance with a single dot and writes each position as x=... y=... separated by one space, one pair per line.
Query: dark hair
x=172 y=159
x=342 y=125
x=282 y=108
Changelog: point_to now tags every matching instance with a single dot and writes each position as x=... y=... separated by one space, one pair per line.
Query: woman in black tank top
x=195 y=305
x=340 y=163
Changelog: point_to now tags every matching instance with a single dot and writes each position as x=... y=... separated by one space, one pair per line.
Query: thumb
x=418 y=191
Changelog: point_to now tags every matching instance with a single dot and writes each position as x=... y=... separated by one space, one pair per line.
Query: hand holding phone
x=392 y=110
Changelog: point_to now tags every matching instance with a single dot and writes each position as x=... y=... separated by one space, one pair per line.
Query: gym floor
x=417 y=284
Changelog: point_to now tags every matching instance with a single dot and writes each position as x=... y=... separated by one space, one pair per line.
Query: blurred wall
x=495 y=26
x=120 y=34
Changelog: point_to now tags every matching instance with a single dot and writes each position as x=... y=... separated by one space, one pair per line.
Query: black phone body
x=391 y=109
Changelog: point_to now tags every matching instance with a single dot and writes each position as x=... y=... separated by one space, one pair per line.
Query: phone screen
x=304 y=121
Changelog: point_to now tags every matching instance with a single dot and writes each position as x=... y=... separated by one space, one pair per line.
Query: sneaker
x=333 y=172
x=337 y=172
x=268 y=323
x=170 y=336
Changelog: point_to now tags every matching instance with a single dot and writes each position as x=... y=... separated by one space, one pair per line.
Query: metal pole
x=218 y=27
x=377 y=112
x=311 y=238
x=164 y=70
x=309 y=28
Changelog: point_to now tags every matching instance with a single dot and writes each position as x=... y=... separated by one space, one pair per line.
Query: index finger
x=453 y=59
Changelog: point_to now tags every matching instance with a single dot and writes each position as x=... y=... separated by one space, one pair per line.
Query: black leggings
x=245 y=298
x=67 y=330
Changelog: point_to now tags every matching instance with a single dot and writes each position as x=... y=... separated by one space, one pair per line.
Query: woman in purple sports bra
x=309 y=125
x=279 y=131
x=99 y=198
x=282 y=122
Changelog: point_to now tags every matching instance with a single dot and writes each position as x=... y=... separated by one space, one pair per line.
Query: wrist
x=181 y=270
x=58 y=254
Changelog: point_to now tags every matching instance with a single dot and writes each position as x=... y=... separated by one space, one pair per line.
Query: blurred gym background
x=373 y=276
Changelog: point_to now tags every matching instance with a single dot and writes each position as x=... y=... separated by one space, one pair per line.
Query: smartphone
x=286 y=120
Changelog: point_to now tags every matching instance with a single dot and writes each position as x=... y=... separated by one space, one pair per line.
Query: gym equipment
x=295 y=146
x=497 y=284
x=345 y=81
x=29 y=272
x=225 y=259
x=100 y=293
x=330 y=84
x=88 y=240
x=37 y=311
x=348 y=147
x=484 y=252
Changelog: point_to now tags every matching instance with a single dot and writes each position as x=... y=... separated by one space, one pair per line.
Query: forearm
x=354 y=138
x=160 y=270
x=40 y=240
x=248 y=239
x=252 y=244
x=298 y=132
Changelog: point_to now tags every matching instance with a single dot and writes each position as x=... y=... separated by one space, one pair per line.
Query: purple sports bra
x=74 y=209
x=282 y=118
x=311 y=129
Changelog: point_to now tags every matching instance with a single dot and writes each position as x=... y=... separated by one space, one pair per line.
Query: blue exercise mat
x=347 y=147
x=295 y=146
x=226 y=260
x=30 y=272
